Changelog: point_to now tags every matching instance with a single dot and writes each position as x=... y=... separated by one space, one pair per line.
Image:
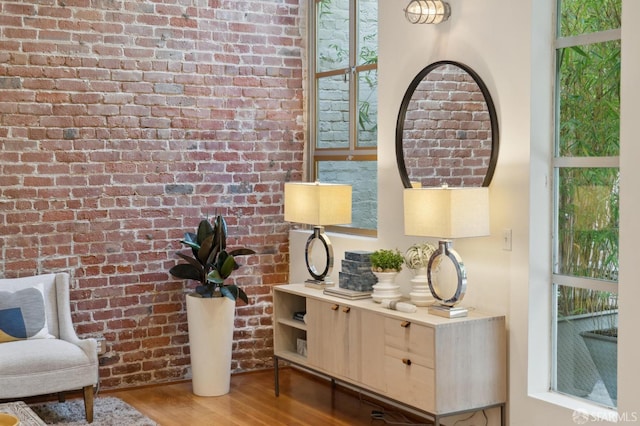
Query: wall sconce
x=446 y=213
x=318 y=204
x=427 y=11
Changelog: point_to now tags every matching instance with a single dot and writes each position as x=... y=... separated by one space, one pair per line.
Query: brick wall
x=122 y=124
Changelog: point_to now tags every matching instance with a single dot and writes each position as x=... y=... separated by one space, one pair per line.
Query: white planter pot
x=210 y=340
x=386 y=288
x=420 y=293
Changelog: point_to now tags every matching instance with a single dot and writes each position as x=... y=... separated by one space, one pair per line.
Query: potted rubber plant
x=211 y=308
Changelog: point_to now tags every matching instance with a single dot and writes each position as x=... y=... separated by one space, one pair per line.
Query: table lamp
x=446 y=213
x=318 y=204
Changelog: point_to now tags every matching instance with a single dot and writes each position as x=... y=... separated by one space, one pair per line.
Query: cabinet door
x=333 y=338
x=372 y=338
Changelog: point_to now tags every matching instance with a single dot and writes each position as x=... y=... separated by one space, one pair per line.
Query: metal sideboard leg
x=276 y=376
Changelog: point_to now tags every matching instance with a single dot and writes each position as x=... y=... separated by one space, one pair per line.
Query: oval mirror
x=447 y=129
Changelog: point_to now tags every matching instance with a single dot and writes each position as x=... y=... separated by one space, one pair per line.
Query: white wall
x=494 y=37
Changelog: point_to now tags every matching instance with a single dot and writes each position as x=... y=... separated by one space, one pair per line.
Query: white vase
x=420 y=293
x=211 y=322
x=386 y=288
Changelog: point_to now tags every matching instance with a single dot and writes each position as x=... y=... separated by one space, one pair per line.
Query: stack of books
x=345 y=293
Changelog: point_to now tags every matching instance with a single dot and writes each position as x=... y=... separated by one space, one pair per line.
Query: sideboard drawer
x=404 y=339
x=409 y=381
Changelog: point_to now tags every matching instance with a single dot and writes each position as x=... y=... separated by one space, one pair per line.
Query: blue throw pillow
x=22 y=315
x=12 y=325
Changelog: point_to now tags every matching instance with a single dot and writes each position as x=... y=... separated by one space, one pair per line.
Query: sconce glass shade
x=318 y=204
x=446 y=213
x=427 y=11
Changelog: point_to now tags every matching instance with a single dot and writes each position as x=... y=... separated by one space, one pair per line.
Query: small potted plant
x=384 y=260
x=385 y=265
x=211 y=308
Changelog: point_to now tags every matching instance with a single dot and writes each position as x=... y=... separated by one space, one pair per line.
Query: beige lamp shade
x=446 y=212
x=317 y=203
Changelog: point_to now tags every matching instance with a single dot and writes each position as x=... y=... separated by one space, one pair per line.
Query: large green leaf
x=234 y=292
x=220 y=232
x=191 y=260
x=241 y=252
x=215 y=277
x=204 y=230
x=186 y=271
x=228 y=266
x=213 y=255
x=205 y=249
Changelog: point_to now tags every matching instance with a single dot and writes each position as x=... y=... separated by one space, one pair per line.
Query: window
x=586 y=199
x=343 y=107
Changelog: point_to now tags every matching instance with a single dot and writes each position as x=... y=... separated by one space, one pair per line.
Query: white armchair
x=39 y=366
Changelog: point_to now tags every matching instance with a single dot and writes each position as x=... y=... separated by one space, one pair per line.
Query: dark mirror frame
x=495 y=138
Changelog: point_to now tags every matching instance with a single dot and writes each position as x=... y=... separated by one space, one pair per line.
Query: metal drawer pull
x=406 y=361
x=405 y=324
x=346 y=309
x=335 y=307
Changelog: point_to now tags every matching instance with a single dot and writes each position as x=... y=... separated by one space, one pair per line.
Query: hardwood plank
x=304 y=400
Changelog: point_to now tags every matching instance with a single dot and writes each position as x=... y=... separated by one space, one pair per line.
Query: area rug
x=107 y=411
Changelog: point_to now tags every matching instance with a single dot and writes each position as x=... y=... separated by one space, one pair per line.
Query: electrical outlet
x=102 y=345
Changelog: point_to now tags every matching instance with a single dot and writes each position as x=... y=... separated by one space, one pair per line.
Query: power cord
x=484 y=414
x=382 y=416
x=391 y=418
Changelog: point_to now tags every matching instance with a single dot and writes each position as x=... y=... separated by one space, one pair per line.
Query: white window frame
x=557 y=163
x=353 y=152
x=541 y=224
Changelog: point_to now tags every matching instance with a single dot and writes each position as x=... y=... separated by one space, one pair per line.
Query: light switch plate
x=506 y=239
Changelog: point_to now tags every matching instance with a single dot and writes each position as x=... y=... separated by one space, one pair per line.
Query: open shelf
x=293 y=323
x=287 y=331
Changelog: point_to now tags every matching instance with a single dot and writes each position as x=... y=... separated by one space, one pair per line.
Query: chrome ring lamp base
x=320 y=279
x=447 y=307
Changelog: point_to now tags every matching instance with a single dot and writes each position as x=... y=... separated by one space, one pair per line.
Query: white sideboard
x=436 y=365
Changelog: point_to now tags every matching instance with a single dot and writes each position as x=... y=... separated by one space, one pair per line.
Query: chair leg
x=88 y=403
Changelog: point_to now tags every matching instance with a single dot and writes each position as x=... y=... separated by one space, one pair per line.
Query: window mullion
x=606 y=162
x=353 y=62
x=590 y=38
x=588 y=283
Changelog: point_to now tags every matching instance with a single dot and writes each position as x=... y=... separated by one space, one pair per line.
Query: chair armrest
x=65 y=324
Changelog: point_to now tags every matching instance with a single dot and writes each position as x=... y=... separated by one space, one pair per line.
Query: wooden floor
x=304 y=400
